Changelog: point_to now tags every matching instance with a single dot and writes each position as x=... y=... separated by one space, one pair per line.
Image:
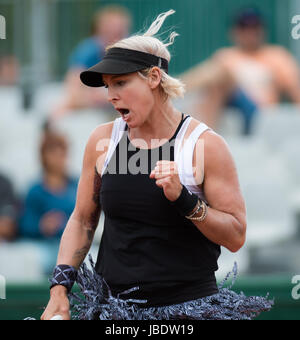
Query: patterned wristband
x=63 y=275
x=186 y=202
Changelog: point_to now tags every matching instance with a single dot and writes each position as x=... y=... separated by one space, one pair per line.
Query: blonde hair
x=148 y=43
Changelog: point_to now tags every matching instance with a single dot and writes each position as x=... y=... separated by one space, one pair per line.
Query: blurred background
x=241 y=64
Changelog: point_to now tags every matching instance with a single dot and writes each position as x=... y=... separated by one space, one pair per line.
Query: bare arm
x=225 y=223
x=79 y=232
x=78 y=96
x=213 y=84
x=288 y=74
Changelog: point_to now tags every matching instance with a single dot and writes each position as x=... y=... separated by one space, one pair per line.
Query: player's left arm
x=225 y=223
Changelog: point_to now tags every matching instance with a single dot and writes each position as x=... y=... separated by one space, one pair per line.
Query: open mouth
x=123 y=112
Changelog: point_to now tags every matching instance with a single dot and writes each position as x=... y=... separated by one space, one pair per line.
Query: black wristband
x=63 y=275
x=186 y=202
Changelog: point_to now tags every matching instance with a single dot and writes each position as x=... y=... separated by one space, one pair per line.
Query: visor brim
x=93 y=76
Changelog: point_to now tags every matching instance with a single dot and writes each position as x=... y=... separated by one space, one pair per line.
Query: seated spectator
x=109 y=25
x=51 y=200
x=216 y=89
x=261 y=73
x=8 y=210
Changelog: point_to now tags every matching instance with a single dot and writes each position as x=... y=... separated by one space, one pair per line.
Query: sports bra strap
x=116 y=135
x=185 y=159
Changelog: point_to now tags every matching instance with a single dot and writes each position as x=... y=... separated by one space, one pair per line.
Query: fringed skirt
x=90 y=303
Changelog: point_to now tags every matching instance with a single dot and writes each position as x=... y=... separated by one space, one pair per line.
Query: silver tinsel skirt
x=90 y=303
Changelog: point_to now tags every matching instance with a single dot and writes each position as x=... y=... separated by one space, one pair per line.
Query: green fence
x=203 y=26
x=29 y=300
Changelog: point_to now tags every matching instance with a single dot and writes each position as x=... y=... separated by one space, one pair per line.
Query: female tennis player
x=168 y=209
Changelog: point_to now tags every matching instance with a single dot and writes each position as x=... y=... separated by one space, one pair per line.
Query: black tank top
x=145 y=241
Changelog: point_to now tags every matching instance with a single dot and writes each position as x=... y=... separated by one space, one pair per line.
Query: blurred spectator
x=8 y=210
x=51 y=200
x=259 y=73
x=216 y=89
x=263 y=71
x=9 y=71
x=109 y=25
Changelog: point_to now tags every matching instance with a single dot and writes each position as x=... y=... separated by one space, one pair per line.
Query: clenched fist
x=167 y=178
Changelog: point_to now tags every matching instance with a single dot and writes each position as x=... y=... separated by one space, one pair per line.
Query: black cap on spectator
x=249 y=17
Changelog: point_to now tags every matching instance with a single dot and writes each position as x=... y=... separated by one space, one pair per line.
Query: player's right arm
x=80 y=229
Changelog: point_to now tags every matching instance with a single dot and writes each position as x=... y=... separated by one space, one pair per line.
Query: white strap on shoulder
x=185 y=160
x=116 y=135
